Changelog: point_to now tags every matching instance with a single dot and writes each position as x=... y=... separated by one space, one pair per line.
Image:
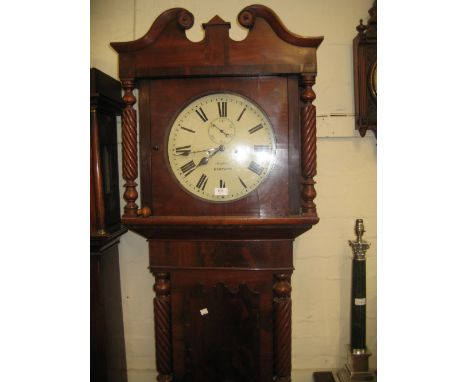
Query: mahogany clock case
x=222 y=303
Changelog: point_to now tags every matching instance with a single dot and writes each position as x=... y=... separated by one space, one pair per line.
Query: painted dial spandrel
x=221 y=147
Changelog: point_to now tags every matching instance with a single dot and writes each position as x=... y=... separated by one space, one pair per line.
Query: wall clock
x=365 y=74
x=227 y=160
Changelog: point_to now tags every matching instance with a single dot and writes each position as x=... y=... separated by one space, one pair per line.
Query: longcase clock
x=107 y=361
x=227 y=160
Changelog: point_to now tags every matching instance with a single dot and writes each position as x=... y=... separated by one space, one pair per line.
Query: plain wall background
x=346 y=182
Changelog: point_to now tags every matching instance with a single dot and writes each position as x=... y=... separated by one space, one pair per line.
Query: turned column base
x=357 y=368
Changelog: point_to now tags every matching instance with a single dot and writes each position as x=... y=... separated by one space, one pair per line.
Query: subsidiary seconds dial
x=221 y=147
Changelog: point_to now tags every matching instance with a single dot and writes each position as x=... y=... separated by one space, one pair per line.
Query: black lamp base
x=357 y=368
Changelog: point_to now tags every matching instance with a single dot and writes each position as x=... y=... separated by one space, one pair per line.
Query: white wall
x=346 y=181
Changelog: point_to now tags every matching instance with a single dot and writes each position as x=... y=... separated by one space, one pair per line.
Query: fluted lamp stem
x=358 y=290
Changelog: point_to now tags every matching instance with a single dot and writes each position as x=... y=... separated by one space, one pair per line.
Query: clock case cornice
x=217 y=54
x=269 y=49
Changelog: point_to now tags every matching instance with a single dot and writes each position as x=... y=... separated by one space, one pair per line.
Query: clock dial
x=221 y=147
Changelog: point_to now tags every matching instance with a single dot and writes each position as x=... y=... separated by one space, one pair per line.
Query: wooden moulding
x=165 y=51
x=219 y=227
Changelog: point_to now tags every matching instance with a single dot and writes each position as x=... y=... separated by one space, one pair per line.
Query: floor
x=303 y=375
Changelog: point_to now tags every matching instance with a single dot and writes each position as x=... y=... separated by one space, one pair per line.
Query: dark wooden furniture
x=223 y=269
x=323 y=376
x=329 y=376
x=365 y=74
x=108 y=361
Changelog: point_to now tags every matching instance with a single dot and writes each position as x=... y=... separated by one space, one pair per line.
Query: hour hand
x=203 y=161
x=212 y=152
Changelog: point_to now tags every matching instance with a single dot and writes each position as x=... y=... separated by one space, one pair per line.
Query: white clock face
x=221 y=147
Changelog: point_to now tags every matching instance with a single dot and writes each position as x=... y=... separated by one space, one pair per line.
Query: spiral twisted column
x=162 y=323
x=309 y=145
x=282 y=321
x=129 y=148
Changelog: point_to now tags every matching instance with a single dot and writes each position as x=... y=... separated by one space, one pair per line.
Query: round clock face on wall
x=221 y=147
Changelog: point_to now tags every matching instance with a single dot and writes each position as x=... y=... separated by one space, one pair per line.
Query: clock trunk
x=222 y=305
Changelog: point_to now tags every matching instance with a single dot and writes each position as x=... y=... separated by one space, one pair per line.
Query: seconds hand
x=222 y=131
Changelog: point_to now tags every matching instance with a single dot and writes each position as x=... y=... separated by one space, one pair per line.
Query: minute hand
x=186 y=153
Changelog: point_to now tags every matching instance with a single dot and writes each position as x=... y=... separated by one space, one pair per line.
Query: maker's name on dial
x=222 y=169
